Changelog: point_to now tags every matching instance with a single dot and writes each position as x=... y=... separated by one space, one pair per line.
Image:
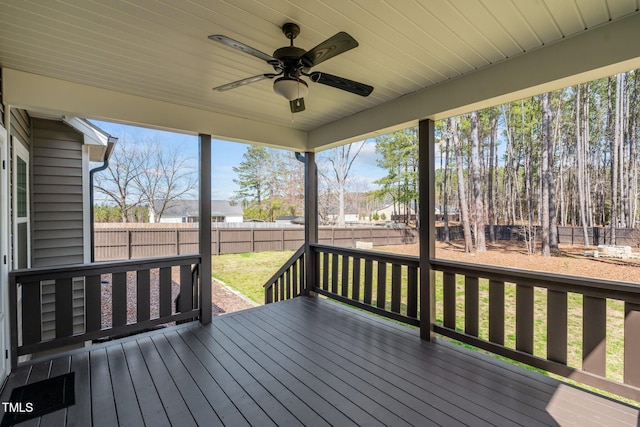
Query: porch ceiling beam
x=58 y=97
x=610 y=49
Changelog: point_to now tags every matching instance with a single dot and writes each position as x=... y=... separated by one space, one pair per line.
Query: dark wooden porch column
x=427 y=195
x=205 y=228
x=310 y=219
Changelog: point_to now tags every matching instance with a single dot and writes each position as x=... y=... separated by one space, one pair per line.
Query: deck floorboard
x=306 y=361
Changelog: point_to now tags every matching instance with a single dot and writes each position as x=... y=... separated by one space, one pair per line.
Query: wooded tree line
x=568 y=157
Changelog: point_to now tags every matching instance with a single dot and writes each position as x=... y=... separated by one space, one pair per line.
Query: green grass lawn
x=248 y=272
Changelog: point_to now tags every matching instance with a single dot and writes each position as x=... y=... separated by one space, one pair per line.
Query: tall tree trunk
x=445 y=195
x=580 y=165
x=615 y=161
x=553 y=209
x=633 y=132
x=546 y=176
x=492 y=196
x=477 y=190
x=464 y=210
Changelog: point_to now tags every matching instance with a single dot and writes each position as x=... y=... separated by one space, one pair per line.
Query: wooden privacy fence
x=133 y=243
x=540 y=319
x=146 y=242
x=566 y=235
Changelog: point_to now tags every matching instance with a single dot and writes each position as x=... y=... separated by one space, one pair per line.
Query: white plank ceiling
x=158 y=49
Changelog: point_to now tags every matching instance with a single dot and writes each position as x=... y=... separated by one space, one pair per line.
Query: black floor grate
x=40 y=398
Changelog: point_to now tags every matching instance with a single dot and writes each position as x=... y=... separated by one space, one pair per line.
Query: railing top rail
x=388 y=257
x=73 y=270
x=605 y=288
x=285 y=267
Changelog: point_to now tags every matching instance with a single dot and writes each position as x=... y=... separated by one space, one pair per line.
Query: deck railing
x=288 y=281
x=132 y=307
x=379 y=282
x=509 y=312
x=544 y=313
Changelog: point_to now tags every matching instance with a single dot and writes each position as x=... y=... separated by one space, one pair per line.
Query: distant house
x=289 y=219
x=395 y=212
x=348 y=218
x=186 y=211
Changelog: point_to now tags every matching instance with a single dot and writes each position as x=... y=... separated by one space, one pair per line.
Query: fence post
x=129 y=244
x=282 y=238
x=177 y=242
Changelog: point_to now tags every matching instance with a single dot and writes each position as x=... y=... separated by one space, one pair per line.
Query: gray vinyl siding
x=57 y=216
x=20 y=126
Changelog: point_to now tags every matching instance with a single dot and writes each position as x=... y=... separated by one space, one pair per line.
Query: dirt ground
x=224 y=300
x=569 y=260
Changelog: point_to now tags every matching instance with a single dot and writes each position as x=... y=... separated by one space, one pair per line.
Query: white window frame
x=20 y=150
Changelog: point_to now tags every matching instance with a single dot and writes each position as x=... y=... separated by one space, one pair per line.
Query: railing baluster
x=412 y=292
x=119 y=299
x=295 y=281
x=325 y=271
x=368 y=281
x=334 y=273
x=449 y=297
x=557 y=315
x=524 y=318
x=496 y=311
x=268 y=295
x=287 y=279
x=594 y=342
x=93 y=303
x=396 y=290
x=345 y=275
x=355 y=279
x=471 y=306
x=281 y=288
x=632 y=344
x=186 y=289
x=381 y=289
x=64 y=307
x=31 y=313
x=302 y=276
x=143 y=295
x=165 y=291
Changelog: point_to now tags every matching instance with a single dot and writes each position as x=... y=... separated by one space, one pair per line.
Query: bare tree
x=580 y=160
x=546 y=176
x=477 y=191
x=165 y=175
x=117 y=182
x=464 y=209
x=341 y=160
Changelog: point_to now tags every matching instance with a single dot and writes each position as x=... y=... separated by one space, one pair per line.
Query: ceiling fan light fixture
x=290 y=88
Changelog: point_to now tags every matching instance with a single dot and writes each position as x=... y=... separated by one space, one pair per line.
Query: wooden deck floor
x=306 y=362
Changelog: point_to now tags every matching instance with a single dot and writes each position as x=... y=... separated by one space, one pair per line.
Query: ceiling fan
x=291 y=63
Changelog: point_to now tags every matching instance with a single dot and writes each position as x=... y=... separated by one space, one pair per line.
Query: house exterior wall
x=21 y=125
x=57 y=216
x=233 y=218
x=57 y=194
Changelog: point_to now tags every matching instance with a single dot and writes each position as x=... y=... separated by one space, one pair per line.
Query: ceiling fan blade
x=243 y=82
x=243 y=47
x=297 y=105
x=329 y=48
x=341 y=83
